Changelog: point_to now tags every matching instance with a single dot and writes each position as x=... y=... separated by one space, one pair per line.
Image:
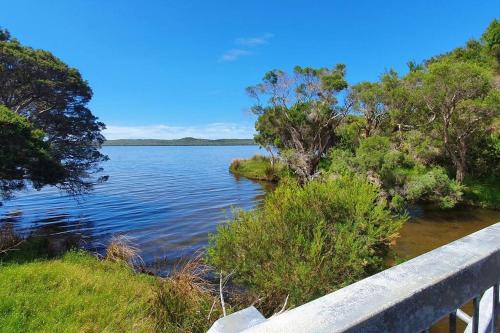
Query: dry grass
x=9 y=240
x=186 y=301
x=121 y=249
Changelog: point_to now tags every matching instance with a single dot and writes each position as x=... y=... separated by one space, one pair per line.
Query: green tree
x=53 y=97
x=491 y=38
x=299 y=113
x=368 y=99
x=24 y=155
x=458 y=99
x=267 y=136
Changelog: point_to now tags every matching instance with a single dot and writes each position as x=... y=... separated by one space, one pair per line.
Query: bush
x=306 y=241
x=483 y=191
x=433 y=185
x=258 y=168
x=372 y=151
x=401 y=177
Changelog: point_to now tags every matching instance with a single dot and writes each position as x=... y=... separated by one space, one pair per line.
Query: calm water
x=166 y=199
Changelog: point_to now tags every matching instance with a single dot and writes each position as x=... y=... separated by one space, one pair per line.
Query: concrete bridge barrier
x=409 y=297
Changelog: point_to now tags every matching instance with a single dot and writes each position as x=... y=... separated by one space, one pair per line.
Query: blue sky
x=169 y=69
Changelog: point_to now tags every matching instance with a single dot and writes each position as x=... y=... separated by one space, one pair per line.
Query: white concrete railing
x=409 y=297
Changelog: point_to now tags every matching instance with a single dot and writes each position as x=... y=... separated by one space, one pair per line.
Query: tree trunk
x=461 y=161
x=460 y=173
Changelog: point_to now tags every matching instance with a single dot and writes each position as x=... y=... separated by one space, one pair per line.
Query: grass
x=77 y=292
x=74 y=293
x=258 y=168
x=483 y=192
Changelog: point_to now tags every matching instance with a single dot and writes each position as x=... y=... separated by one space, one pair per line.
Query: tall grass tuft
x=186 y=301
x=9 y=240
x=120 y=249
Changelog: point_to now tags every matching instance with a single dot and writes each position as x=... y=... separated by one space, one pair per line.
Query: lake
x=166 y=199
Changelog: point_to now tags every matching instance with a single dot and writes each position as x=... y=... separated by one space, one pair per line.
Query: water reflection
x=53 y=235
x=165 y=199
x=429 y=228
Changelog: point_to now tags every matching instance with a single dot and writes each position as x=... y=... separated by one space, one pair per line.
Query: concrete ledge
x=406 y=298
x=238 y=321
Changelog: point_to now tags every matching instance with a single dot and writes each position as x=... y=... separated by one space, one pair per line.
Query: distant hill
x=179 y=142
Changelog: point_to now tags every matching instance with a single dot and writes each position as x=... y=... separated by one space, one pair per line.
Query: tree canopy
x=53 y=98
x=298 y=113
x=428 y=130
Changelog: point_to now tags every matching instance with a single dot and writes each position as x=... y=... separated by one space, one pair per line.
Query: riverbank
x=484 y=193
x=79 y=292
x=258 y=168
x=479 y=193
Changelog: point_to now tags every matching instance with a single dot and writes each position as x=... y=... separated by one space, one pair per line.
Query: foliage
x=401 y=177
x=432 y=185
x=368 y=99
x=306 y=240
x=349 y=132
x=80 y=293
x=491 y=38
x=258 y=168
x=53 y=97
x=299 y=114
x=484 y=191
x=459 y=100
x=24 y=155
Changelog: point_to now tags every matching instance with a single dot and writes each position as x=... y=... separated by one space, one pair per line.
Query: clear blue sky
x=176 y=68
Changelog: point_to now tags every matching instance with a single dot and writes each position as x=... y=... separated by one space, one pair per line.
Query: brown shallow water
x=429 y=229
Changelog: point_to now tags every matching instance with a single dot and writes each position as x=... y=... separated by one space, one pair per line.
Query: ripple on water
x=166 y=199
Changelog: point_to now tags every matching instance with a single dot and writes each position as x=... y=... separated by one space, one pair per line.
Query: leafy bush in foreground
x=306 y=241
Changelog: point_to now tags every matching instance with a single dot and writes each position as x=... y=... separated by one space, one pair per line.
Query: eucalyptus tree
x=368 y=100
x=491 y=39
x=458 y=101
x=53 y=97
x=298 y=113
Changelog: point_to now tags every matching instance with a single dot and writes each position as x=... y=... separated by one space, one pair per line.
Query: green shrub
x=341 y=162
x=258 y=167
x=403 y=178
x=306 y=241
x=483 y=191
x=372 y=151
x=433 y=185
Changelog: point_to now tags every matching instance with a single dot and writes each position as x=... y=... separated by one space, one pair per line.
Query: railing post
x=453 y=322
x=475 y=316
x=494 y=308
